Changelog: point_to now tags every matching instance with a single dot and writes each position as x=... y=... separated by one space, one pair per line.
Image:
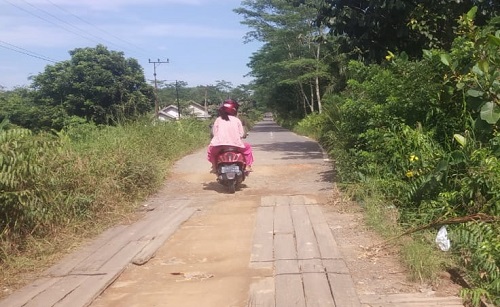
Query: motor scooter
x=231 y=168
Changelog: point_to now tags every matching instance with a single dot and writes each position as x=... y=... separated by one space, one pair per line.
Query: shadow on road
x=293 y=150
x=268 y=126
x=282 y=140
x=219 y=188
x=328 y=176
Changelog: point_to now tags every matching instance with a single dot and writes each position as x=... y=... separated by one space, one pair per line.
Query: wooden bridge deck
x=83 y=275
x=293 y=238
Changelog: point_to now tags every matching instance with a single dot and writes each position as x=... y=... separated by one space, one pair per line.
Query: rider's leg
x=247 y=152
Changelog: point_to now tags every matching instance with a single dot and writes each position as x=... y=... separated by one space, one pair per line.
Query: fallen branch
x=478 y=217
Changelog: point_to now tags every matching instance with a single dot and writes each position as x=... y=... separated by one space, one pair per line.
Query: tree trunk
x=318 y=92
x=310 y=104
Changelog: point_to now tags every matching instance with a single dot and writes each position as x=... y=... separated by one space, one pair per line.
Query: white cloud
x=188 y=31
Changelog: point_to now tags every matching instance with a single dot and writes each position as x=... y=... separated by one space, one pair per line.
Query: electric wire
x=86 y=35
x=98 y=38
x=49 y=21
x=96 y=27
x=63 y=21
x=32 y=54
x=25 y=52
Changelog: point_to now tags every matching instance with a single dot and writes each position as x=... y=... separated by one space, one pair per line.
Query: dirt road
x=206 y=262
x=284 y=239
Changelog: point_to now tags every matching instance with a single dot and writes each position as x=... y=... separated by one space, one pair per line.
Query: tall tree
x=373 y=27
x=96 y=84
x=294 y=41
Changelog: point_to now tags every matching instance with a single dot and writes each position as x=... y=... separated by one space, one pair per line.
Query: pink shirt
x=228 y=132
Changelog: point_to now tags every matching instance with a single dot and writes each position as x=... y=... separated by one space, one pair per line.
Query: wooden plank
x=285 y=254
x=283 y=220
x=287 y=266
x=93 y=286
x=139 y=231
x=157 y=241
x=311 y=266
x=56 y=292
x=284 y=246
x=289 y=291
x=68 y=263
x=343 y=290
x=262 y=246
x=317 y=290
x=81 y=264
x=411 y=299
x=262 y=293
x=297 y=200
x=268 y=201
x=154 y=220
x=282 y=200
x=307 y=247
x=86 y=287
x=335 y=266
x=94 y=262
x=23 y=295
x=327 y=245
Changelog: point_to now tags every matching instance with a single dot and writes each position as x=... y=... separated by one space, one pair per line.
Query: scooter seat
x=230 y=148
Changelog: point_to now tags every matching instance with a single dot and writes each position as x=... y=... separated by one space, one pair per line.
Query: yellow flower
x=413 y=158
x=390 y=56
x=409 y=174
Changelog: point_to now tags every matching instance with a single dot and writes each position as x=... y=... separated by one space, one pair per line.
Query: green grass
x=88 y=178
x=417 y=251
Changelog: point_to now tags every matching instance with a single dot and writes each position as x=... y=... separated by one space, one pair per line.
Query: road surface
x=269 y=244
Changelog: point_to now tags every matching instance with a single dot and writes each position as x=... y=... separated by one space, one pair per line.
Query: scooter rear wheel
x=232 y=186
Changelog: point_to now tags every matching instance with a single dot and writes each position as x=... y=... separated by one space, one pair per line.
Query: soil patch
x=375 y=270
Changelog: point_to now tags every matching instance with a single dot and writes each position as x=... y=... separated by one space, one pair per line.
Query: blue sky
x=202 y=39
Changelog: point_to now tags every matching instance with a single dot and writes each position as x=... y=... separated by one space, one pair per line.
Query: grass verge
x=88 y=179
x=417 y=252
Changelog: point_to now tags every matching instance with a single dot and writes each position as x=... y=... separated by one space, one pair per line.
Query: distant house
x=197 y=110
x=168 y=113
x=193 y=109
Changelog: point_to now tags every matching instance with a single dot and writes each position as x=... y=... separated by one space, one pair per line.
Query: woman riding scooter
x=228 y=130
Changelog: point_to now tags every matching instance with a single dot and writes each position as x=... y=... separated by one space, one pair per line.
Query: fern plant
x=479 y=246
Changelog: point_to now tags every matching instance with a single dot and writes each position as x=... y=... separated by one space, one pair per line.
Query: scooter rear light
x=230 y=157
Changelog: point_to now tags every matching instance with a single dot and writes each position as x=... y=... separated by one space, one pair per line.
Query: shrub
x=87 y=174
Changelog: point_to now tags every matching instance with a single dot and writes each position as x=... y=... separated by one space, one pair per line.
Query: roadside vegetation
x=406 y=99
x=60 y=188
x=405 y=96
x=78 y=157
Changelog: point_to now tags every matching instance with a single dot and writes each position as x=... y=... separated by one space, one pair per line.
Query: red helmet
x=230 y=107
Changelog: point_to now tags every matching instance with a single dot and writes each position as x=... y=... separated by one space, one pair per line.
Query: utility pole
x=206 y=109
x=177 y=97
x=156 y=63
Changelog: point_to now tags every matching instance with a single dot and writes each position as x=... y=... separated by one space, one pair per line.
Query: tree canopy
x=293 y=53
x=373 y=27
x=96 y=84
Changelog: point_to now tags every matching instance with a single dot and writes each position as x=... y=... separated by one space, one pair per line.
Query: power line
x=64 y=24
x=61 y=20
x=96 y=27
x=49 y=21
x=26 y=52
